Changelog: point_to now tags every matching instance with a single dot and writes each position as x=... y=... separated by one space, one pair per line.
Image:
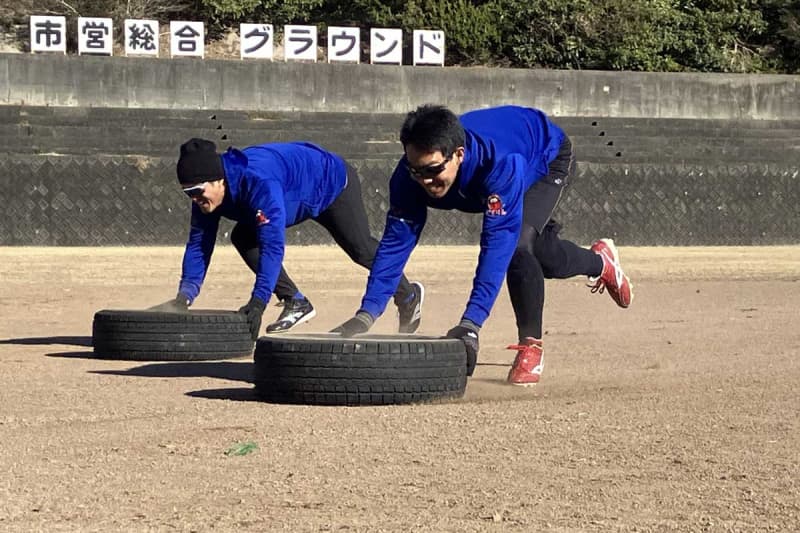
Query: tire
x=326 y=369
x=157 y=336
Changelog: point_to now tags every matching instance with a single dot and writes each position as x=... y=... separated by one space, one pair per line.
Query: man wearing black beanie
x=198 y=162
x=265 y=189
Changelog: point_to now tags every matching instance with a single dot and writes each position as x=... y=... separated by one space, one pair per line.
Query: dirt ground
x=678 y=414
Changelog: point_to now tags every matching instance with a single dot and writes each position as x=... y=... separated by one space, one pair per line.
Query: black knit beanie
x=199 y=162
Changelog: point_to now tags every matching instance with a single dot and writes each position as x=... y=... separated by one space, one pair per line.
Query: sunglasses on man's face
x=196 y=191
x=429 y=171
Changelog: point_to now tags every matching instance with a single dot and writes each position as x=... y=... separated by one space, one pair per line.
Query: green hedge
x=644 y=35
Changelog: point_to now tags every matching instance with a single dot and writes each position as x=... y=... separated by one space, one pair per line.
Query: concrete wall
x=214 y=84
x=112 y=200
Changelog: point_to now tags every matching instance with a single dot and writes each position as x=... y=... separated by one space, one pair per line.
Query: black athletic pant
x=346 y=221
x=540 y=252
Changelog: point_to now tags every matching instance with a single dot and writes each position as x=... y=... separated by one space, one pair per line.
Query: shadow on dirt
x=236 y=395
x=36 y=341
x=230 y=371
x=73 y=355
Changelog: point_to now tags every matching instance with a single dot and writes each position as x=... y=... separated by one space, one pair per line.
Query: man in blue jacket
x=265 y=189
x=511 y=164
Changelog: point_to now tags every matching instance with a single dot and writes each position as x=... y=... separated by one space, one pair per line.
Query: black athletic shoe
x=294 y=312
x=410 y=313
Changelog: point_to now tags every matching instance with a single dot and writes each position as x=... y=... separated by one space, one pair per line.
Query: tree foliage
x=650 y=35
x=645 y=35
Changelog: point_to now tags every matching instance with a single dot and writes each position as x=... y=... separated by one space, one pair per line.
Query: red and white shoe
x=529 y=363
x=612 y=278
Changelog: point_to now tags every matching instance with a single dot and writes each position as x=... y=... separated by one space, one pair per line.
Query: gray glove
x=253 y=310
x=467 y=332
x=179 y=304
x=360 y=323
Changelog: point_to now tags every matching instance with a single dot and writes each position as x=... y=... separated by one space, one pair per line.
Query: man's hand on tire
x=360 y=323
x=253 y=310
x=179 y=304
x=467 y=332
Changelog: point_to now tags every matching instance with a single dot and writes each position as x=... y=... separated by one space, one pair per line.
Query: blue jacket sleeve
x=268 y=212
x=499 y=236
x=197 y=256
x=404 y=224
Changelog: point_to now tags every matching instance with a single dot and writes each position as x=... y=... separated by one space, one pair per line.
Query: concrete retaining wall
x=102 y=200
x=235 y=85
x=90 y=174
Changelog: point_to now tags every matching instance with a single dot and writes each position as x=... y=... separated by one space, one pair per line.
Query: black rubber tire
x=200 y=335
x=326 y=369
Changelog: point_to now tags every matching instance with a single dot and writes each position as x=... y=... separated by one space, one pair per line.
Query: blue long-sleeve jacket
x=507 y=150
x=271 y=187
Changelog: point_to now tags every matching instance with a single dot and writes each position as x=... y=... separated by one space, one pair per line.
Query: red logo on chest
x=494 y=205
x=260 y=218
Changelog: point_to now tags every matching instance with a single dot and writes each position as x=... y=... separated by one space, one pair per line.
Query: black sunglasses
x=429 y=171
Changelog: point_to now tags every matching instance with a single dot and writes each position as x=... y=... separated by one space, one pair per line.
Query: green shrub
x=647 y=35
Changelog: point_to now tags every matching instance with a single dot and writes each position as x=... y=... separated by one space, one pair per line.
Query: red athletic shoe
x=528 y=364
x=612 y=278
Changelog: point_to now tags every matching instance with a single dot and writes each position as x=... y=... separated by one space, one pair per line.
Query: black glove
x=179 y=304
x=252 y=311
x=468 y=333
x=360 y=323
